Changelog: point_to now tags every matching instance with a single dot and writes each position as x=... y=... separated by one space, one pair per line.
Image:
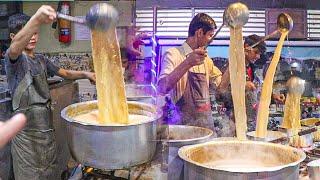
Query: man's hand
x=250 y=86
x=92 y=77
x=45 y=15
x=196 y=57
x=279 y=98
x=11 y=127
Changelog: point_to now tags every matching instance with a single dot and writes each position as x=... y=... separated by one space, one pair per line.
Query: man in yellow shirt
x=187 y=72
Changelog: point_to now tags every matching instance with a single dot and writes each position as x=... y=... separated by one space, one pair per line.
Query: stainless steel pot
x=311 y=122
x=181 y=135
x=111 y=147
x=272 y=136
x=300 y=141
x=236 y=160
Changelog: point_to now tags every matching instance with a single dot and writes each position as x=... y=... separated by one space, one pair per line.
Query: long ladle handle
x=265 y=38
x=215 y=34
x=71 y=18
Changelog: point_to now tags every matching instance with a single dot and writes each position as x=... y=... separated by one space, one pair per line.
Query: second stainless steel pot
x=241 y=160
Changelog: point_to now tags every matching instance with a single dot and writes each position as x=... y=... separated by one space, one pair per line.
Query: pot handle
x=308 y=131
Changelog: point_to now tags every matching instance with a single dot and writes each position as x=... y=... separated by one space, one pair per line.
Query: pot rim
x=314 y=164
x=70 y=120
x=183 y=156
x=251 y=135
x=308 y=119
x=209 y=131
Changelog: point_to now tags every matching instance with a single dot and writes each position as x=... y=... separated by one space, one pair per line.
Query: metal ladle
x=236 y=15
x=100 y=17
x=296 y=85
x=284 y=23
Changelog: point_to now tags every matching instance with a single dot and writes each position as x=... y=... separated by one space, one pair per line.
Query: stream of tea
x=265 y=98
x=110 y=85
x=238 y=81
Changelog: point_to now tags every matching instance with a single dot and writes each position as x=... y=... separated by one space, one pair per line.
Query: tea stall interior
x=164 y=25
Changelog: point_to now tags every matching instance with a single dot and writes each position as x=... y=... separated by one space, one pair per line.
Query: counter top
x=56 y=82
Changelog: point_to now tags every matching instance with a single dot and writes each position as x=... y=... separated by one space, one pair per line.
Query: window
x=175 y=22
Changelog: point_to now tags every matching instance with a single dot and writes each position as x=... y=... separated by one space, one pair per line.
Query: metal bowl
x=235 y=160
x=111 y=147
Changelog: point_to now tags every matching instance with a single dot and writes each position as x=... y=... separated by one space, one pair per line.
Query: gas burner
x=89 y=173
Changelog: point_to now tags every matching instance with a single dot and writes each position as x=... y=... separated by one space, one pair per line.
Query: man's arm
x=74 y=75
x=45 y=14
x=11 y=127
x=167 y=83
x=225 y=81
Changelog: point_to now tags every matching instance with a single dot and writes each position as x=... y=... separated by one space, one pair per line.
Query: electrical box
x=299 y=17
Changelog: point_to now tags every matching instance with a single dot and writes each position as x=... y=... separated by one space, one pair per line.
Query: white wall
x=48 y=42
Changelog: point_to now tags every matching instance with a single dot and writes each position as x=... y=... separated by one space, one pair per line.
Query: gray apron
x=194 y=109
x=34 y=149
x=194 y=105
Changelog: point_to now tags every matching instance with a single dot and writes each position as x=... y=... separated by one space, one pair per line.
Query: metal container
x=144 y=99
x=140 y=93
x=311 y=122
x=300 y=141
x=236 y=160
x=314 y=169
x=181 y=135
x=272 y=136
x=111 y=147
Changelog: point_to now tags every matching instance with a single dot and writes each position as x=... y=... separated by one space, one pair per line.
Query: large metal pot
x=181 y=135
x=236 y=160
x=111 y=147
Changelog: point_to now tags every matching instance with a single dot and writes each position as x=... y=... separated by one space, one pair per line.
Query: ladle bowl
x=236 y=15
x=284 y=22
x=296 y=85
x=102 y=16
